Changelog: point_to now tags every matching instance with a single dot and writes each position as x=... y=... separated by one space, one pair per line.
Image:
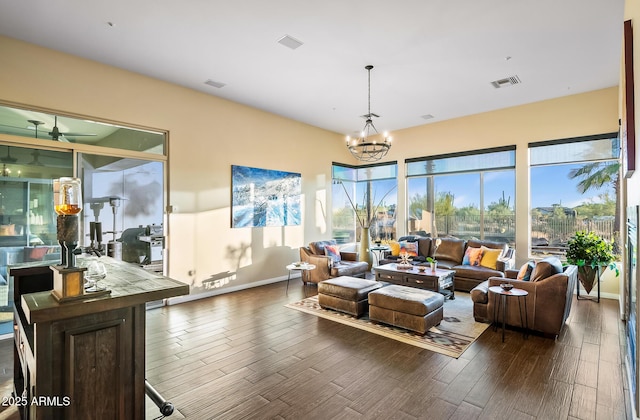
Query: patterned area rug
x=457 y=331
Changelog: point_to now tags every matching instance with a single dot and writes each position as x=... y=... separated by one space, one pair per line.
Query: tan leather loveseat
x=548 y=303
x=326 y=268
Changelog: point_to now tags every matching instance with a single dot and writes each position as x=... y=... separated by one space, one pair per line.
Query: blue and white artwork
x=264 y=197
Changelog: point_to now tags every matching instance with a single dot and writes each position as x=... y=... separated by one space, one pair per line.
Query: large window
x=27 y=218
x=574 y=186
x=364 y=196
x=467 y=195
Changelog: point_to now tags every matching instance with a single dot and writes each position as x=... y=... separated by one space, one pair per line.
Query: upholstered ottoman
x=406 y=307
x=346 y=294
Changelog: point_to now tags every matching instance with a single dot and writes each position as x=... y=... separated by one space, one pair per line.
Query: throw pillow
x=333 y=252
x=395 y=248
x=490 y=257
x=8 y=230
x=411 y=248
x=35 y=253
x=525 y=271
x=546 y=268
x=472 y=256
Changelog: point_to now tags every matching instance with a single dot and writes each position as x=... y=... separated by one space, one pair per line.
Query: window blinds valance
x=472 y=161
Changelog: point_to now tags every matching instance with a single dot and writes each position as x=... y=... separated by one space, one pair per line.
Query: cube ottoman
x=406 y=307
x=346 y=294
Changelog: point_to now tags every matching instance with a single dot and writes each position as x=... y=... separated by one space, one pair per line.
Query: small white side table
x=378 y=252
x=302 y=267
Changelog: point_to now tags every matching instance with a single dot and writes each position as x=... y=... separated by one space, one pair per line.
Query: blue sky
x=553 y=186
x=550 y=185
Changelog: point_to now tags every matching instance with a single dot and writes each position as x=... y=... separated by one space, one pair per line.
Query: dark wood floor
x=243 y=355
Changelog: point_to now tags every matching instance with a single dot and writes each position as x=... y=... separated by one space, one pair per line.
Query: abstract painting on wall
x=264 y=197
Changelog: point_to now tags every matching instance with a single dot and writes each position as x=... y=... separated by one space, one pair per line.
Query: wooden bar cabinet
x=85 y=358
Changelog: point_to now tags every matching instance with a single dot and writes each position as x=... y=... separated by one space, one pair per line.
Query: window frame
x=432 y=172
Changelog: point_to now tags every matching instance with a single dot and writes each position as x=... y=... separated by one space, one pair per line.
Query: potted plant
x=591 y=254
x=433 y=262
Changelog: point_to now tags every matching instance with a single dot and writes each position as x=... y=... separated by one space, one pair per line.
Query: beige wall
x=200 y=238
x=631 y=186
x=632 y=11
x=570 y=116
x=207 y=136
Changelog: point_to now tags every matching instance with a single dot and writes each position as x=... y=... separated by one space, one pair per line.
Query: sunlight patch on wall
x=273 y=236
x=217 y=281
x=181 y=245
x=321 y=204
x=294 y=236
x=220 y=252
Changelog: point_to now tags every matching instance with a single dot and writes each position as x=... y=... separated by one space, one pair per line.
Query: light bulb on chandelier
x=369 y=148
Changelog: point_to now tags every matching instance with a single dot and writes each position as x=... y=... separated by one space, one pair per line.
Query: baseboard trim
x=603 y=295
x=224 y=290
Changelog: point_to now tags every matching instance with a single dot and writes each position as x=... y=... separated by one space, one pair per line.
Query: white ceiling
x=433 y=57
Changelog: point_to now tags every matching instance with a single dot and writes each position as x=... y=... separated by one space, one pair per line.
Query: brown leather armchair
x=548 y=302
x=326 y=268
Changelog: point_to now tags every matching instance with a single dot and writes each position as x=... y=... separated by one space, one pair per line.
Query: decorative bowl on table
x=421 y=268
x=506 y=286
x=297 y=264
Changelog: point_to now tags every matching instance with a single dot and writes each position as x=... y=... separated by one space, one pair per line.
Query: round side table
x=304 y=268
x=378 y=252
x=521 y=295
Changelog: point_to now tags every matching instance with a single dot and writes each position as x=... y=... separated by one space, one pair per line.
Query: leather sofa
x=450 y=254
x=548 y=302
x=326 y=268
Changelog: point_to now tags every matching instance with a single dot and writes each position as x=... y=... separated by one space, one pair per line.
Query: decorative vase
x=363 y=254
x=434 y=266
x=588 y=276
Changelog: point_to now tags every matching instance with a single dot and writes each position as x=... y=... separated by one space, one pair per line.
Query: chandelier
x=365 y=148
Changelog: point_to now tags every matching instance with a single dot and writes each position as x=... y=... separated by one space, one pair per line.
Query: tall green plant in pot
x=592 y=254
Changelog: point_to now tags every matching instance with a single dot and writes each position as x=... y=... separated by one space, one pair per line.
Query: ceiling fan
x=8 y=158
x=56 y=134
x=35 y=161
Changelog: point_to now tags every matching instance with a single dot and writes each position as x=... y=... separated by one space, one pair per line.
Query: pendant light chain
x=363 y=148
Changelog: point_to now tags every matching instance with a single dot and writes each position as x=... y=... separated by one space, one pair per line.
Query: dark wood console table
x=83 y=359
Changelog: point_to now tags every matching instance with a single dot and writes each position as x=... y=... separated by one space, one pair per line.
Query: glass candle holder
x=67 y=202
x=67 y=196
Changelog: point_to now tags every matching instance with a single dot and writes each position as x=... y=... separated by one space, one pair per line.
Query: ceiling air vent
x=215 y=84
x=289 y=42
x=507 y=81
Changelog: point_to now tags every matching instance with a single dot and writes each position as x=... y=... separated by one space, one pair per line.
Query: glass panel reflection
x=50 y=127
x=27 y=217
x=124 y=197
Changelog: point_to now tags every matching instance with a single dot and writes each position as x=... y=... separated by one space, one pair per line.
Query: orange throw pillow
x=472 y=256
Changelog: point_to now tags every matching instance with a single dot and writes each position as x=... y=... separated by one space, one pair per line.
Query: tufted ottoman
x=406 y=307
x=346 y=294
